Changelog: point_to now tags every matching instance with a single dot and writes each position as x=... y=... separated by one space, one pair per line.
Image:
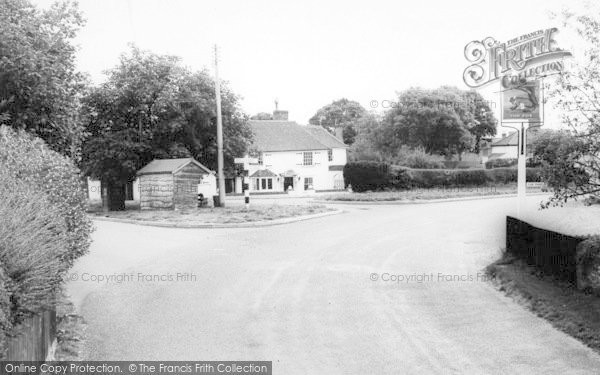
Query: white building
x=294 y=158
x=503 y=148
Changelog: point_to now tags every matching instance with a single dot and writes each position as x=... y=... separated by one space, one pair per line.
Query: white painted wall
x=282 y=161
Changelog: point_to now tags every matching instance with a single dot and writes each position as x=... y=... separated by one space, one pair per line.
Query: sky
x=309 y=53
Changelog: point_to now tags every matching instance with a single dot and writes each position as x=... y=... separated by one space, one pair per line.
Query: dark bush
x=367 y=175
x=509 y=175
x=500 y=163
x=428 y=178
x=28 y=159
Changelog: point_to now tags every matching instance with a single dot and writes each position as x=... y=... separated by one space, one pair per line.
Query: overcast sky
x=308 y=53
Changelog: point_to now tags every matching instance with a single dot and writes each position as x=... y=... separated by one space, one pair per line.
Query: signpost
x=246 y=161
x=519 y=65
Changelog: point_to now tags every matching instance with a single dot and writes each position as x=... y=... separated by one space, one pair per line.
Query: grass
x=566 y=308
x=427 y=194
x=225 y=215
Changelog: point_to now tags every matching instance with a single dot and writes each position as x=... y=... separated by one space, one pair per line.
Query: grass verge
x=427 y=194
x=566 y=308
x=225 y=215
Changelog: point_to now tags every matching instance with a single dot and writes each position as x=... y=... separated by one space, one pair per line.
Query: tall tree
x=431 y=119
x=151 y=107
x=342 y=113
x=39 y=85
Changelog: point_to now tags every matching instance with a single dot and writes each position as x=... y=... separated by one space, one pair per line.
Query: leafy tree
x=39 y=86
x=342 y=113
x=572 y=162
x=369 y=137
x=151 y=107
x=431 y=119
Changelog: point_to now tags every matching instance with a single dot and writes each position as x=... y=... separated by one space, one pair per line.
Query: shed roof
x=271 y=135
x=166 y=166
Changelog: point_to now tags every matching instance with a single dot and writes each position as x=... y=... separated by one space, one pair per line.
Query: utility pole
x=220 y=174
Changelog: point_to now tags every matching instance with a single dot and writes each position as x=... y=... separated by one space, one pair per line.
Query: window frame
x=307 y=158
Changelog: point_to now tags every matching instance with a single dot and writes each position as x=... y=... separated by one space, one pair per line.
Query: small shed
x=174 y=183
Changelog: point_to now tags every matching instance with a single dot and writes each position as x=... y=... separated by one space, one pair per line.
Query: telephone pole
x=220 y=173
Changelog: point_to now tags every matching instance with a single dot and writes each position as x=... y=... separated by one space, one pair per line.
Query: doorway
x=287 y=182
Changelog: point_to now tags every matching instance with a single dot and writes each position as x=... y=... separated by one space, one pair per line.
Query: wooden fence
x=34 y=338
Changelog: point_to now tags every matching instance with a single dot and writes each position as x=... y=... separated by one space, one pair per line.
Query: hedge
x=28 y=159
x=44 y=227
x=374 y=176
x=501 y=163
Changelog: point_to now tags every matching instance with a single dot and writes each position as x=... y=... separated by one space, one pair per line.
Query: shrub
x=33 y=244
x=588 y=264
x=367 y=175
x=500 y=163
x=417 y=158
x=510 y=175
x=428 y=178
x=28 y=159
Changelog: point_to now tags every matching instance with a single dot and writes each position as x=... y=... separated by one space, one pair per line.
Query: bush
x=501 y=163
x=588 y=264
x=429 y=178
x=28 y=159
x=33 y=242
x=510 y=175
x=417 y=158
x=367 y=175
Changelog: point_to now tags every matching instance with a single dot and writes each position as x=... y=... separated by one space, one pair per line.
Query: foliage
x=151 y=107
x=564 y=162
x=446 y=121
x=501 y=163
x=31 y=265
x=39 y=86
x=572 y=162
x=428 y=178
x=373 y=176
x=338 y=113
x=367 y=139
x=417 y=158
x=342 y=113
x=348 y=134
x=55 y=179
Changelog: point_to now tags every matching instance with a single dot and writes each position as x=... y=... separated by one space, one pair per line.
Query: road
x=302 y=295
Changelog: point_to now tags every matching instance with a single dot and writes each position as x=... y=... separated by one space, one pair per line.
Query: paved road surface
x=301 y=295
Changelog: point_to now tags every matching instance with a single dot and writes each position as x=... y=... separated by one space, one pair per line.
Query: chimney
x=279 y=115
x=339 y=133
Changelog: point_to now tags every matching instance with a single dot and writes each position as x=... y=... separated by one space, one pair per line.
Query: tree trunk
x=113 y=196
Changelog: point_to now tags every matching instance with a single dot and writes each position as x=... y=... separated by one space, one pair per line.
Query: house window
x=256 y=184
x=260 y=158
x=307 y=158
x=308 y=183
x=264 y=183
x=330 y=155
x=270 y=183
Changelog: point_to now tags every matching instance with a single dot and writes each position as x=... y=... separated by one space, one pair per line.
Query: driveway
x=317 y=297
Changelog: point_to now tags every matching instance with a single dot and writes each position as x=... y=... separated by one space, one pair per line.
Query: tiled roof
x=510 y=140
x=325 y=137
x=271 y=135
x=263 y=173
x=159 y=166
